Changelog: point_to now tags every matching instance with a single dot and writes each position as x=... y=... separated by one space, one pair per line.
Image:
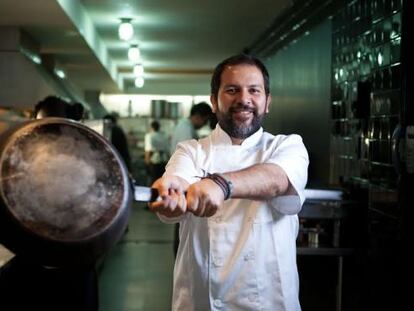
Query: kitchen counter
x=325 y=210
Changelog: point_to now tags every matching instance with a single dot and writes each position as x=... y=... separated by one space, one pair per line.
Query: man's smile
x=242 y=113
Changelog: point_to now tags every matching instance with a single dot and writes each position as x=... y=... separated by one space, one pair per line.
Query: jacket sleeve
x=182 y=164
x=292 y=156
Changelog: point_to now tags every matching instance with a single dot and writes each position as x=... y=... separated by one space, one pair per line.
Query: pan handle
x=145 y=194
x=142 y=193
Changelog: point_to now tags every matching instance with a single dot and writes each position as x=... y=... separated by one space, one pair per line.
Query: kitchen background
x=339 y=78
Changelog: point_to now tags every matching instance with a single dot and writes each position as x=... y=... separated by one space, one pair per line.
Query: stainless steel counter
x=327 y=207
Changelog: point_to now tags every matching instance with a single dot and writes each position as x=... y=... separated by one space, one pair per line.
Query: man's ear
x=214 y=103
x=268 y=101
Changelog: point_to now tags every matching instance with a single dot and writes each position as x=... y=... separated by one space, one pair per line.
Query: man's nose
x=244 y=96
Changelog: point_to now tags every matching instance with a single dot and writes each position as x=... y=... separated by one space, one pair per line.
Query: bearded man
x=236 y=195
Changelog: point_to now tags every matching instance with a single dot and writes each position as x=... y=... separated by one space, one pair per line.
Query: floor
x=137 y=273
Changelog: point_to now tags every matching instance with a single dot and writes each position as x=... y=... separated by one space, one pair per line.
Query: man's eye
x=231 y=91
x=254 y=91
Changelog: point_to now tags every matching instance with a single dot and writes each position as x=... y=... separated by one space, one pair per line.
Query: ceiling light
x=60 y=73
x=134 y=53
x=138 y=70
x=36 y=59
x=125 y=30
x=139 y=82
x=33 y=56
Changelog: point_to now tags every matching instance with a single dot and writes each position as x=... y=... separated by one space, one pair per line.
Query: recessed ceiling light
x=60 y=73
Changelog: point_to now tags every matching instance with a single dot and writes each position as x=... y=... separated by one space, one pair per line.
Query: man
x=186 y=128
x=244 y=188
x=119 y=140
x=156 y=151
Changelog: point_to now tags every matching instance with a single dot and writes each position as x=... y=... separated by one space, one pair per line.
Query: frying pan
x=65 y=193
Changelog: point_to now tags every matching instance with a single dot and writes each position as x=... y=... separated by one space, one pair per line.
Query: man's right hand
x=204 y=198
x=172 y=201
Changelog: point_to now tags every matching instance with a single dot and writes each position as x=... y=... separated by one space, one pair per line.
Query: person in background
x=156 y=151
x=119 y=140
x=53 y=106
x=131 y=138
x=26 y=285
x=186 y=129
x=236 y=195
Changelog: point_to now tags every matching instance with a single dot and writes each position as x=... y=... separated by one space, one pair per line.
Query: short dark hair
x=238 y=60
x=53 y=106
x=155 y=125
x=202 y=109
x=111 y=118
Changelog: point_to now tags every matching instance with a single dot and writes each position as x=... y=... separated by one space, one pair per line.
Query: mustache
x=242 y=107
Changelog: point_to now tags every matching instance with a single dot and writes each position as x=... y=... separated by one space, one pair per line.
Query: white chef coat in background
x=184 y=130
x=244 y=257
x=158 y=144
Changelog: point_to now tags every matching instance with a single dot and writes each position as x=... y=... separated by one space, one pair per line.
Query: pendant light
x=125 y=30
x=139 y=82
x=138 y=70
x=134 y=53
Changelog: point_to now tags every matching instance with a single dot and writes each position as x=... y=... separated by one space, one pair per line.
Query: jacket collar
x=220 y=137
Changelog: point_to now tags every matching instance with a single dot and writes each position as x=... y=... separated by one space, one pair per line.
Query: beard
x=237 y=129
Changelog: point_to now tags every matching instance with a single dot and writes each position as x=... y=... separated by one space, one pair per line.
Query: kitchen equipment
x=65 y=193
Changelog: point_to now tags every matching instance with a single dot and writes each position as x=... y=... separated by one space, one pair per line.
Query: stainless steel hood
x=23 y=80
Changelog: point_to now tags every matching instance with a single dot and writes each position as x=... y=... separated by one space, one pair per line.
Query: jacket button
x=218 y=262
x=249 y=256
x=253 y=297
x=217 y=303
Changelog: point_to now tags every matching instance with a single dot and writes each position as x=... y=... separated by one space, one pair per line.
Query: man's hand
x=204 y=198
x=172 y=202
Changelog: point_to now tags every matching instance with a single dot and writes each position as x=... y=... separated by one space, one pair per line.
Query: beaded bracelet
x=225 y=184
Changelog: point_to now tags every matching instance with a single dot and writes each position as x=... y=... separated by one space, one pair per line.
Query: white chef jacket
x=158 y=144
x=243 y=257
x=184 y=130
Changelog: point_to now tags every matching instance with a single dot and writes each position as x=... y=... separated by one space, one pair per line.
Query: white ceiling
x=181 y=41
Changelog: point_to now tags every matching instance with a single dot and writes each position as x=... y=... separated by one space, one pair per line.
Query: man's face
x=241 y=102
